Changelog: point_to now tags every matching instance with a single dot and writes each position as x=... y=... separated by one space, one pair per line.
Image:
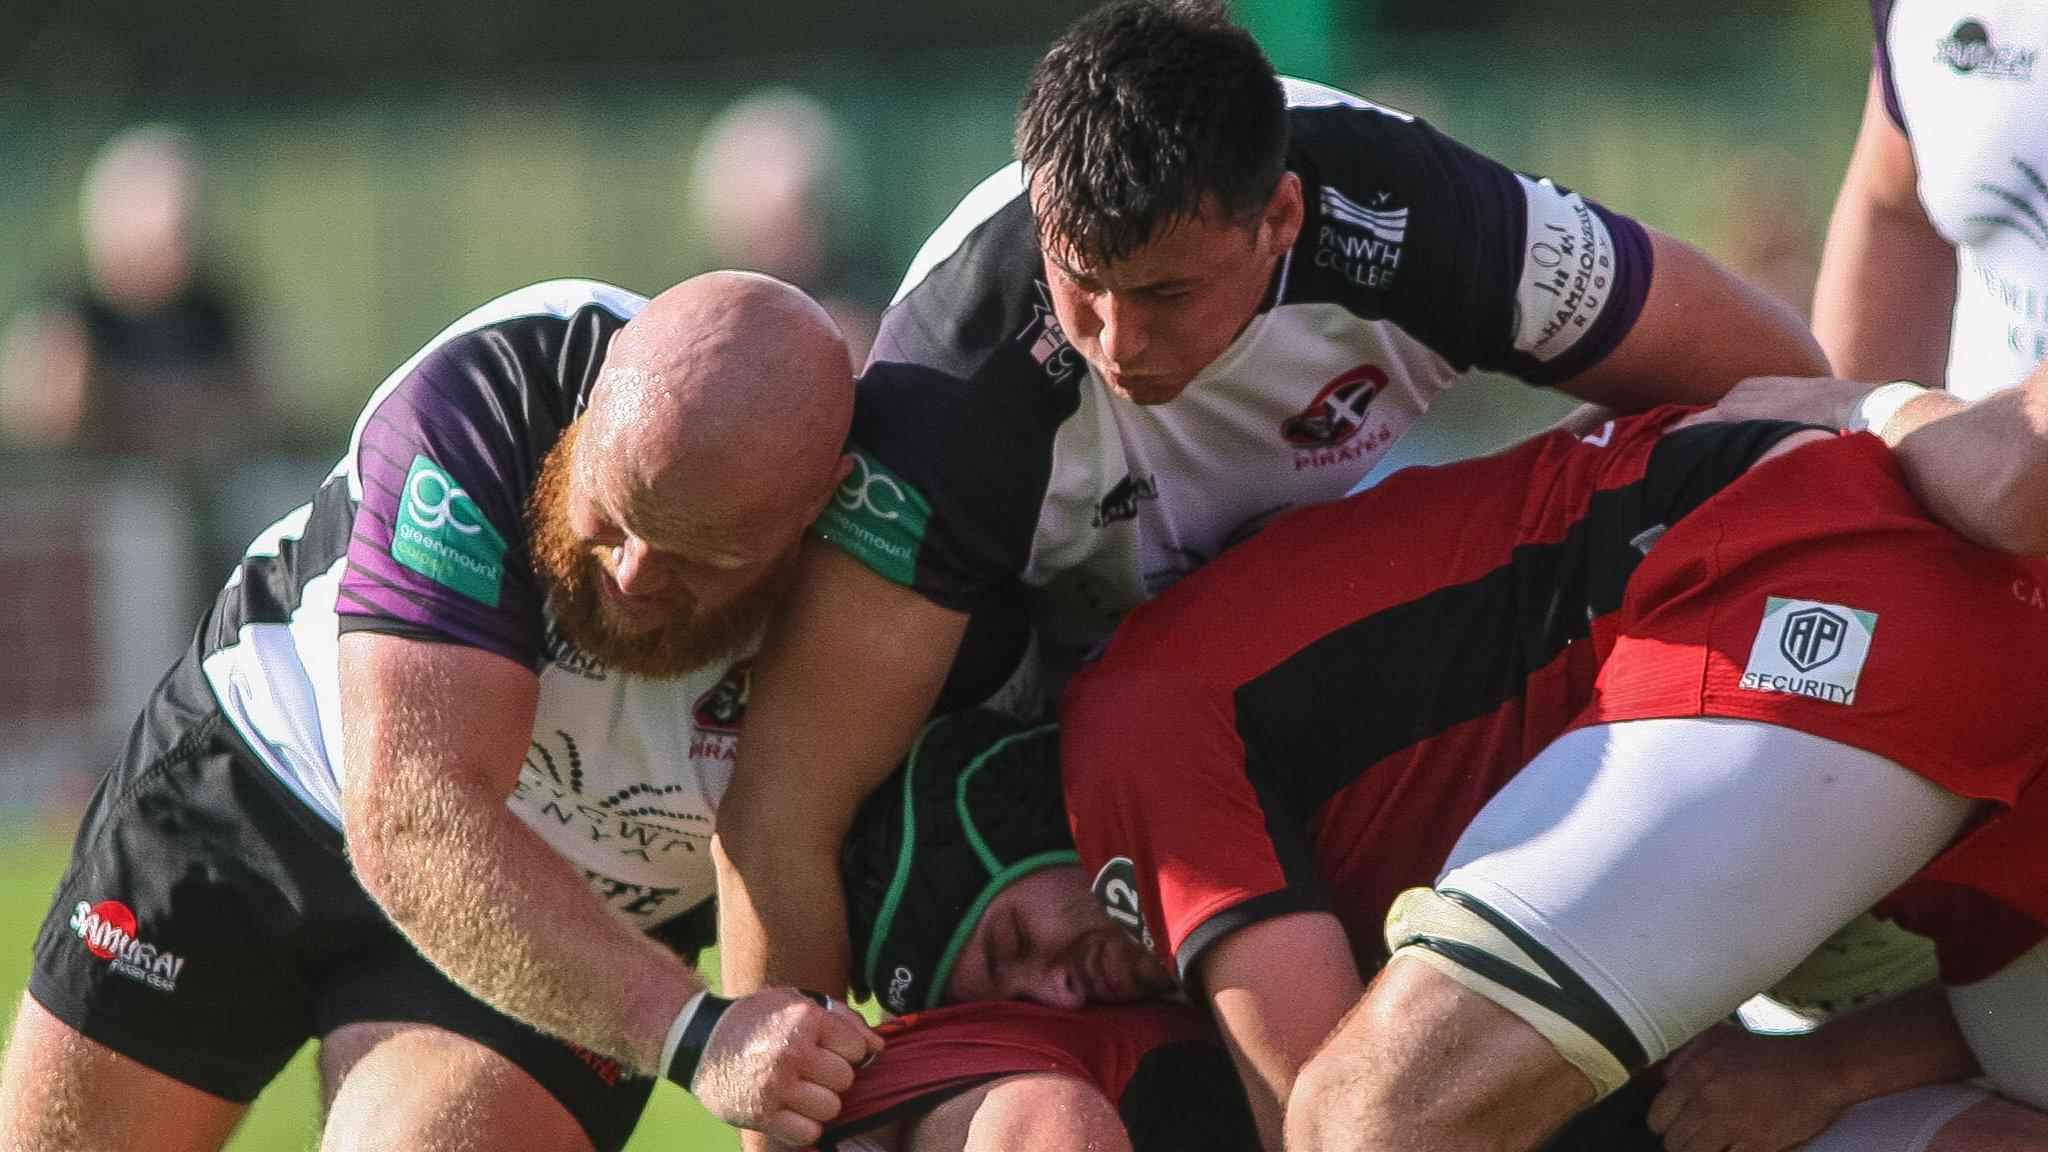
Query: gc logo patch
x=1808 y=648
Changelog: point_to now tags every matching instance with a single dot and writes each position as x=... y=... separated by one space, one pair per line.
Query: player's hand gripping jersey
x=1310 y=722
x=1161 y=1064
x=992 y=459
x=421 y=532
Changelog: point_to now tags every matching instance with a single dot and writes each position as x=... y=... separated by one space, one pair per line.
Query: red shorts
x=937 y=1054
x=1816 y=594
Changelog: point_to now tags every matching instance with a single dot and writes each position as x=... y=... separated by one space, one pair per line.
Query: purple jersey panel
x=439 y=547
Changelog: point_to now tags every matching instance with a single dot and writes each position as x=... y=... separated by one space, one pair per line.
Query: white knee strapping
x=1901 y=1122
x=1681 y=866
x=2005 y=1020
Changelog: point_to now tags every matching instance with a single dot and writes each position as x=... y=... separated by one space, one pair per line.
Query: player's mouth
x=1108 y=981
x=638 y=609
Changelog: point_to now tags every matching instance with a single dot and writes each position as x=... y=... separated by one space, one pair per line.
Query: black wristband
x=682 y=1067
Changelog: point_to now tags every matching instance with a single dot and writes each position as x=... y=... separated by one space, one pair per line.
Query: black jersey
x=990 y=458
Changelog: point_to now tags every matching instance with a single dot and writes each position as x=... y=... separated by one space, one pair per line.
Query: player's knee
x=1052 y=1112
x=1460 y=937
x=429 y=1091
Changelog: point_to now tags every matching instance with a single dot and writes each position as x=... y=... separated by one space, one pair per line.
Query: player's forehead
x=1193 y=242
x=715 y=519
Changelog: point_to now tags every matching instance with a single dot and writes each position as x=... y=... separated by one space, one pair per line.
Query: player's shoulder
x=1340 y=139
x=974 y=300
x=515 y=370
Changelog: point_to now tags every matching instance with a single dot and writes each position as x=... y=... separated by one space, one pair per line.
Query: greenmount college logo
x=877 y=516
x=1807 y=648
x=442 y=535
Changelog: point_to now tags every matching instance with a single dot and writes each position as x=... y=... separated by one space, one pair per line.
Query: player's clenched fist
x=775 y=1060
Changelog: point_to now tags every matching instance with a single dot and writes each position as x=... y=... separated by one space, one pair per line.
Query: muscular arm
x=1279 y=988
x=1981 y=468
x=1769 y=1093
x=1702 y=329
x=434 y=737
x=849 y=673
x=1886 y=292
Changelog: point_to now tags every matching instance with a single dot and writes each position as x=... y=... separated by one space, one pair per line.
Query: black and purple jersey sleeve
x=954 y=421
x=1488 y=267
x=443 y=463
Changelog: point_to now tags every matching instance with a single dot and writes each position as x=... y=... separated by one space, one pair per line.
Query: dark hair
x=1140 y=112
x=975 y=807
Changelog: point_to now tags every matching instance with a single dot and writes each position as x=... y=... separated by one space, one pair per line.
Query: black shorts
x=209 y=924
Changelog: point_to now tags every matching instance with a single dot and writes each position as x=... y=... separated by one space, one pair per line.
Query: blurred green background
x=373 y=170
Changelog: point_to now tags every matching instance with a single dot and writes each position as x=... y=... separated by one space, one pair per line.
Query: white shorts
x=1901 y=1122
x=2005 y=1020
x=1682 y=866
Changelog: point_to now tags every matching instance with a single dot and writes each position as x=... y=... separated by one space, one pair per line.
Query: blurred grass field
x=286 y=1117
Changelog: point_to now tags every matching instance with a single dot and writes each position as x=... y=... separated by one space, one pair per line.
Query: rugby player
x=968 y=910
x=1204 y=295
x=1744 y=669
x=436 y=781
x=1936 y=262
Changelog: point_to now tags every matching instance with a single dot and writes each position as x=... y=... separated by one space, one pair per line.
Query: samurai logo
x=109 y=931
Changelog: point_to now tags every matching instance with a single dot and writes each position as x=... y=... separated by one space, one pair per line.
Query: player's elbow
x=382 y=826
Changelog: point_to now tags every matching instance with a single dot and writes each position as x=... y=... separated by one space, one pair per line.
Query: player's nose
x=1124 y=333
x=1055 y=985
x=637 y=570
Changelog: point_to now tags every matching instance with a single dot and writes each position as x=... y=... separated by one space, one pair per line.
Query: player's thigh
x=1674 y=868
x=411 y=1059
x=2005 y=1020
x=61 y=1092
x=1045 y=1112
x=425 y=1089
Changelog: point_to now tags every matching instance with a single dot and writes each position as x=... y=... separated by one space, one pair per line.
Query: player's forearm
x=1891 y=1047
x=1702 y=330
x=1886 y=291
x=1981 y=468
x=488 y=902
x=781 y=916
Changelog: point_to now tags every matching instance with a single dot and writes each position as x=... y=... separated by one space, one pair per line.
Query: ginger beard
x=572 y=572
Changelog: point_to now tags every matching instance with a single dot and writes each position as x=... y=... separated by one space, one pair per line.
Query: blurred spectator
x=1769 y=232
x=1936 y=266
x=767 y=184
x=145 y=358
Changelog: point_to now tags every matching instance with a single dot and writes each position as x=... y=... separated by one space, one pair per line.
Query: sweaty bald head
x=728 y=387
x=666 y=520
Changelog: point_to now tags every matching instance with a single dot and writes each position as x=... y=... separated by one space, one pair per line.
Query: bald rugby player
x=436 y=781
x=1205 y=295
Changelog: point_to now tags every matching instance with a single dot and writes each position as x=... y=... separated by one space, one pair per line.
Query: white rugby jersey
x=421 y=532
x=1965 y=82
x=991 y=459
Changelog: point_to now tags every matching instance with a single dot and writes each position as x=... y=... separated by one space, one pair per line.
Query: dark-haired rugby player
x=1205 y=295
x=1744 y=673
x=437 y=778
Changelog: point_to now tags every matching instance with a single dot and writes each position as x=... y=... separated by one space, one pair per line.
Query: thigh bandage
x=1463 y=939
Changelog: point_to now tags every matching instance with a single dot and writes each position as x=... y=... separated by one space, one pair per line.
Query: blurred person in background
x=767 y=186
x=1936 y=265
x=435 y=781
x=1205 y=295
x=148 y=357
x=1766 y=233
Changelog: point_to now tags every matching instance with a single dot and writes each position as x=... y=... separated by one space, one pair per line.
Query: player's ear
x=1280 y=223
